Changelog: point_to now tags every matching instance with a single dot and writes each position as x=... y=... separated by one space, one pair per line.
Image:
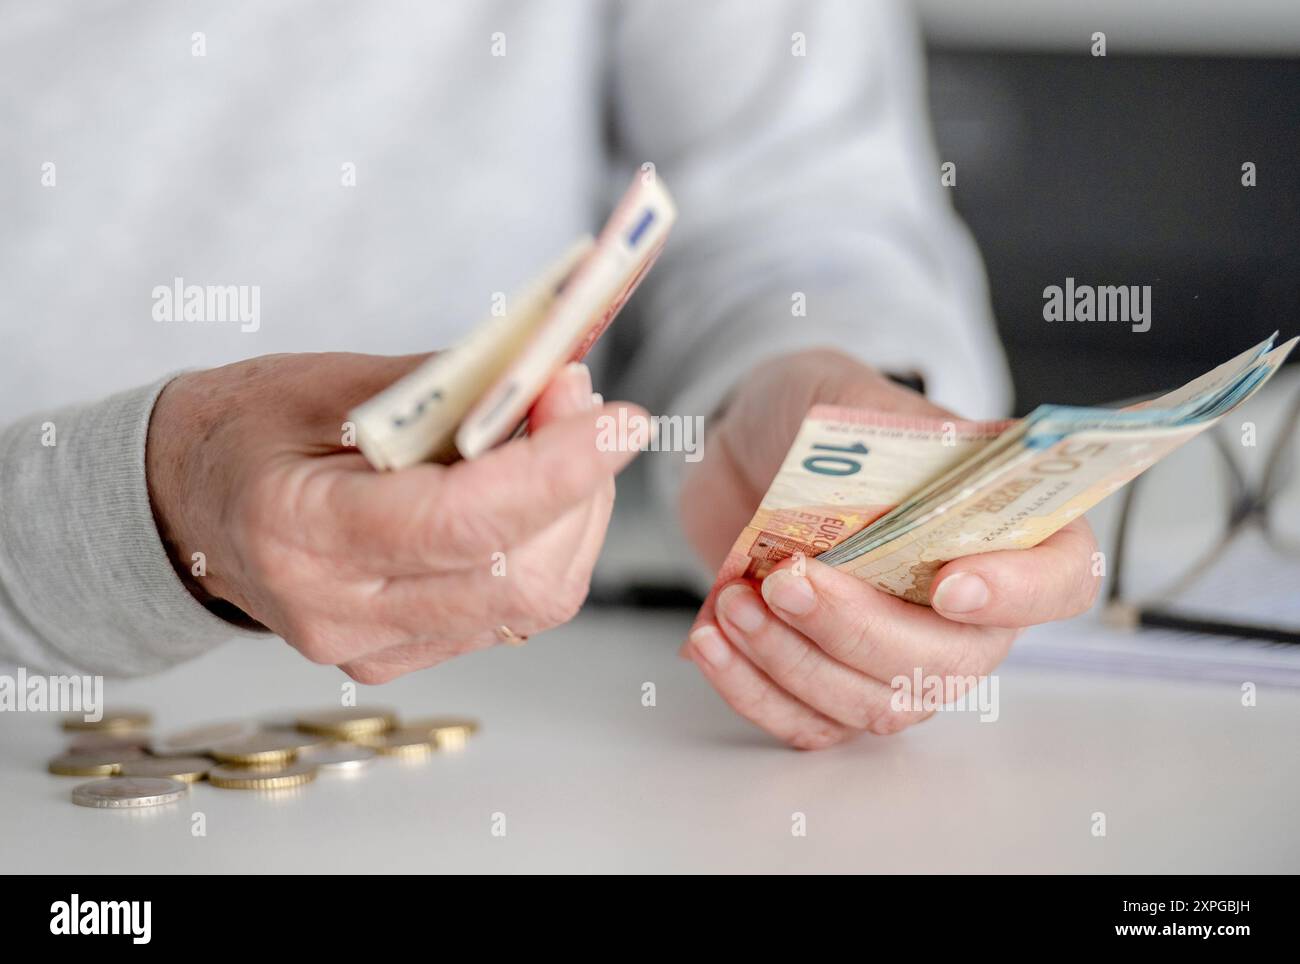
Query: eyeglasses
x=1218 y=553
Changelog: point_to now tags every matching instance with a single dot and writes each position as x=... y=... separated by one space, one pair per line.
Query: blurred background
x=1125 y=170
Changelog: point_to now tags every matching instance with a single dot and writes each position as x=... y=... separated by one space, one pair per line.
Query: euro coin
x=92 y=742
x=186 y=769
x=118 y=721
x=99 y=763
x=348 y=723
x=405 y=742
x=447 y=732
x=123 y=793
x=245 y=778
x=261 y=749
x=202 y=740
x=300 y=741
x=341 y=757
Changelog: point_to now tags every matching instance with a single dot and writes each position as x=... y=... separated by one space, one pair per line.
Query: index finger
x=876 y=633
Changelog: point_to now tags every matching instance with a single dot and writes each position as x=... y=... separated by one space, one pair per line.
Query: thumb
x=569 y=393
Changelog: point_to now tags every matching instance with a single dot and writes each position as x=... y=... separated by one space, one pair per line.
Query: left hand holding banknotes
x=377 y=573
x=809 y=654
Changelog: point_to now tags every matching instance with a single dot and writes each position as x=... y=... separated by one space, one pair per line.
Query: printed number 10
x=835 y=464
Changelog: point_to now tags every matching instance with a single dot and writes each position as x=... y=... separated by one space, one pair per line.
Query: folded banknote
x=475 y=394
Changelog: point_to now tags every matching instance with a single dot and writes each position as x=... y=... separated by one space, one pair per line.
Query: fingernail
x=708 y=642
x=580 y=386
x=789 y=592
x=740 y=607
x=962 y=592
x=597 y=399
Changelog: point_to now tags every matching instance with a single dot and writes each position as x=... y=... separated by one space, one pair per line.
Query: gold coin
x=405 y=741
x=348 y=723
x=100 y=763
x=187 y=769
x=447 y=732
x=119 y=721
x=253 y=778
x=263 y=749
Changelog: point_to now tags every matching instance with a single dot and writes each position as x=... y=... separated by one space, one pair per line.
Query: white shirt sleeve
x=795 y=139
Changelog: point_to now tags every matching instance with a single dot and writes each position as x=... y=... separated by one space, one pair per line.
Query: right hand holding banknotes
x=377 y=573
x=808 y=652
x=903 y=505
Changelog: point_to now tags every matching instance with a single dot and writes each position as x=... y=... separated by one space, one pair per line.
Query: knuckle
x=751 y=703
x=268 y=562
x=800 y=668
x=315 y=644
x=1031 y=597
x=815 y=737
x=573 y=595
x=259 y=553
x=565 y=479
x=856 y=644
x=462 y=534
x=1088 y=592
x=861 y=715
x=257 y=505
x=888 y=722
x=1002 y=646
x=550 y=602
x=979 y=654
x=966 y=657
x=1087 y=536
x=369 y=673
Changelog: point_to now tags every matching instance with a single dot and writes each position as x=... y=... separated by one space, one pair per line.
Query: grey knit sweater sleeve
x=85 y=583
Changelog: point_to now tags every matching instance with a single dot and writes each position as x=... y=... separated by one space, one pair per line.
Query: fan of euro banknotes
x=891 y=498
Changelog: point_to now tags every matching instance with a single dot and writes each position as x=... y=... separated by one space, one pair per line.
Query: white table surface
x=590 y=780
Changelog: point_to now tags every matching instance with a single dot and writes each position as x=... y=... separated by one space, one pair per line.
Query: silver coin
x=121 y=793
x=202 y=740
x=342 y=756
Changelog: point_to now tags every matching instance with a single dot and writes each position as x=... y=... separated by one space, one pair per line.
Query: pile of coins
x=140 y=770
